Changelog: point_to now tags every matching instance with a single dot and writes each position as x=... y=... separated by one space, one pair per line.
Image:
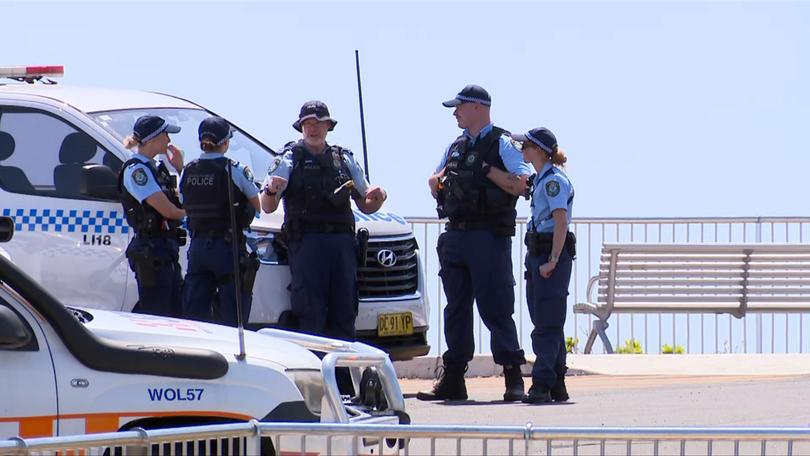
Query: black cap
x=470 y=94
x=215 y=129
x=541 y=137
x=147 y=127
x=314 y=110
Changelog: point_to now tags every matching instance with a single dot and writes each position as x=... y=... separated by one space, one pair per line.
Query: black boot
x=514 y=383
x=449 y=387
x=537 y=395
x=558 y=391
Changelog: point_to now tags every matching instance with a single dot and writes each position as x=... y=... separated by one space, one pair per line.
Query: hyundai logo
x=386 y=258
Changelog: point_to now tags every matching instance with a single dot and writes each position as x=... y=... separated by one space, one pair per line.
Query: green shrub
x=670 y=350
x=571 y=344
x=631 y=347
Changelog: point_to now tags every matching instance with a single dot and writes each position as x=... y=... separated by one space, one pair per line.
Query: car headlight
x=262 y=244
x=310 y=384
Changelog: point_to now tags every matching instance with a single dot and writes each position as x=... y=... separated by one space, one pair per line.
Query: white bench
x=734 y=279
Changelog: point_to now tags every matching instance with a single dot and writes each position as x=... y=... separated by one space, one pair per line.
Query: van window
x=41 y=154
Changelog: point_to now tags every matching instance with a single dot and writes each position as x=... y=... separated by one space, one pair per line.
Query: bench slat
x=710 y=281
x=707 y=273
x=698 y=307
x=708 y=266
x=707 y=248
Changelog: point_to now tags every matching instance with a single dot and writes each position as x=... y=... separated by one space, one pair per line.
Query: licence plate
x=395 y=324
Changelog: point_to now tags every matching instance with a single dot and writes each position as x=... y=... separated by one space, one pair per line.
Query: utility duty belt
x=477 y=225
x=294 y=228
x=178 y=234
x=541 y=243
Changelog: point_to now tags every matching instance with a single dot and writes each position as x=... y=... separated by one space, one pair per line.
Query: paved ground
x=633 y=400
x=599 y=400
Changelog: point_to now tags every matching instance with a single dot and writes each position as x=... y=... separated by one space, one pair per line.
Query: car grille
x=398 y=277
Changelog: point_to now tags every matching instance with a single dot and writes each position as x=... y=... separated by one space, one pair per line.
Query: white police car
x=72 y=371
x=56 y=143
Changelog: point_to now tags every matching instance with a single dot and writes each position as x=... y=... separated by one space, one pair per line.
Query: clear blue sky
x=665 y=109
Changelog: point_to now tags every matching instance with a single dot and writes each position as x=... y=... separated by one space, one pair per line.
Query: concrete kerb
x=705 y=365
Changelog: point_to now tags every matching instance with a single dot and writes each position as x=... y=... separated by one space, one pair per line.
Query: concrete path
x=723 y=364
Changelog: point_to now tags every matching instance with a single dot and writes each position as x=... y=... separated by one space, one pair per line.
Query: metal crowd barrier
x=311 y=439
x=695 y=333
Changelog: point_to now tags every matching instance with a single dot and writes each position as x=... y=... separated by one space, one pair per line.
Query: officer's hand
x=547 y=268
x=376 y=193
x=175 y=156
x=433 y=183
x=277 y=184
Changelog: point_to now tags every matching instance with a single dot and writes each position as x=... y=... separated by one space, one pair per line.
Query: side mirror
x=14 y=333
x=6 y=229
x=99 y=181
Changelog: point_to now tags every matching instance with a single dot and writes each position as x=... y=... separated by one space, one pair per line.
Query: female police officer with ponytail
x=205 y=187
x=548 y=262
x=149 y=196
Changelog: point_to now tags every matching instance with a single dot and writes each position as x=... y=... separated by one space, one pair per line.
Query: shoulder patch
x=274 y=166
x=552 y=188
x=248 y=174
x=516 y=144
x=140 y=177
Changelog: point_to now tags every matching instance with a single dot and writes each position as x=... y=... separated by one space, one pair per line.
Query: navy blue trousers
x=323 y=292
x=477 y=265
x=547 y=299
x=163 y=297
x=210 y=293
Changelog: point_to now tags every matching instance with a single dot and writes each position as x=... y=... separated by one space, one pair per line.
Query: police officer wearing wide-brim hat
x=476 y=186
x=317 y=182
x=204 y=186
x=549 y=258
x=149 y=196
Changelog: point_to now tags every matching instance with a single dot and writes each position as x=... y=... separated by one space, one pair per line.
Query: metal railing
x=695 y=333
x=307 y=438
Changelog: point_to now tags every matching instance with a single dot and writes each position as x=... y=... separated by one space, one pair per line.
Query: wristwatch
x=553 y=258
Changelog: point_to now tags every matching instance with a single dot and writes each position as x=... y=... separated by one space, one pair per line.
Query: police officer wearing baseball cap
x=549 y=258
x=476 y=185
x=204 y=186
x=317 y=182
x=151 y=207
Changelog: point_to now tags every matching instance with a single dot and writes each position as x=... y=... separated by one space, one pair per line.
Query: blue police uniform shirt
x=240 y=175
x=512 y=157
x=282 y=167
x=550 y=193
x=139 y=180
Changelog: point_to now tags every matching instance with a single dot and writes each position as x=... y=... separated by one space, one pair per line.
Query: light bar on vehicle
x=32 y=72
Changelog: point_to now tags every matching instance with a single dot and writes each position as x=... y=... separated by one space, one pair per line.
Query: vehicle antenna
x=362 y=118
x=237 y=283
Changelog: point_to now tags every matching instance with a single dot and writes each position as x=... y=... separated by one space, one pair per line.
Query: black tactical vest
x=311 y=204
x=470 y=199
x=143 y=218
x=205 y=197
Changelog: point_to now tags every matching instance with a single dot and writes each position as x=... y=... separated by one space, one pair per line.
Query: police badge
x=274 y=165
x=140 y=177
x=552 y=188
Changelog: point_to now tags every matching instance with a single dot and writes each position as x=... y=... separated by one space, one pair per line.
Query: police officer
x=151 y=207
x=317 y=181
x=551 y=249
x=207 y=186
x=476 y=185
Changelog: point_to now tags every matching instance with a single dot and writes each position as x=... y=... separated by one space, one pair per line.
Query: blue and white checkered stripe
x=68 y=221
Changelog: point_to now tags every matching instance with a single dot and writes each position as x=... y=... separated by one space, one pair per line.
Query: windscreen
x=243 y=148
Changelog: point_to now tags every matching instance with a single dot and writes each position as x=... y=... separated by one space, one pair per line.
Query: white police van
x=69 y=371
x=57 y=145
